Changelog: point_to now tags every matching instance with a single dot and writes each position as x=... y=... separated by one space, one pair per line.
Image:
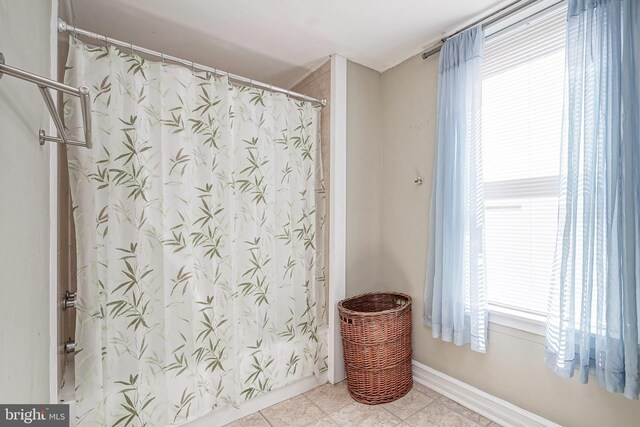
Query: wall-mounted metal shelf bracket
x=44 y=85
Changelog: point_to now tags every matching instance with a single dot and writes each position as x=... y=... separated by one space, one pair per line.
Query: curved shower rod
x=64 y=27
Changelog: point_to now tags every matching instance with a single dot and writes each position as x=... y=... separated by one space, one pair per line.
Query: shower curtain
x=198 y=216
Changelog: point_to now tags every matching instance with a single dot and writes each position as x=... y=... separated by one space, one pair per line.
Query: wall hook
x=418 y=180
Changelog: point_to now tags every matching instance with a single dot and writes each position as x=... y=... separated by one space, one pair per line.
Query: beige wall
x=26 y=42
x=364 y=179
x=513 y=367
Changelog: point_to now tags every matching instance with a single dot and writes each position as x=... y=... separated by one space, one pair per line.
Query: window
x=523 y=92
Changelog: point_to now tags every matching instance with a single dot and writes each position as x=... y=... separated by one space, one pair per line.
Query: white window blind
x=523 y=85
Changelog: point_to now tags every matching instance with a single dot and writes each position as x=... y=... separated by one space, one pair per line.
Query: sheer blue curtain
x=455 y=289
x=593 y=311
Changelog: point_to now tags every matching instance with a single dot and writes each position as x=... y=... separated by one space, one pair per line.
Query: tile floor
x=331 y=405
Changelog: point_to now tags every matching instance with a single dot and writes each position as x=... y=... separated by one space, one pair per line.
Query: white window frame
x=512 y=318
x=517 y=319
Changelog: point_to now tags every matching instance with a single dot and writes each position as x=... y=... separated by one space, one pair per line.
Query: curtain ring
x=162 y=59
x=75 y=32
x=106 y=42
x=131 y=46
x=192 y=67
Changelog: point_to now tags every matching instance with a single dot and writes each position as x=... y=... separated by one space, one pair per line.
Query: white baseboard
x=220 y=417
x=498 y=410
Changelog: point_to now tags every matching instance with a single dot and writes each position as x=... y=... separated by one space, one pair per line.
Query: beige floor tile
x=426 y=390
x=420 y=407
x=330 y=397
x=358 y=414
x=408 y=405
x=297 y=411
x=254 y=420
x=324 y=422
x=439 y=415
x=465 y=411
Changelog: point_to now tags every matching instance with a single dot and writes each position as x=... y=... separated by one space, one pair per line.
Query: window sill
x=528 y=322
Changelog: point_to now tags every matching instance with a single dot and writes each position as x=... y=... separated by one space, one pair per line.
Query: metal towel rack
x=44 y=85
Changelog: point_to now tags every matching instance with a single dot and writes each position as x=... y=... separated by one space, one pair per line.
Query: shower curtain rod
x=64 y=27
x=490 y=19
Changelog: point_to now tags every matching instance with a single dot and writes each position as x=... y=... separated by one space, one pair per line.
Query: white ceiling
x=279 y=41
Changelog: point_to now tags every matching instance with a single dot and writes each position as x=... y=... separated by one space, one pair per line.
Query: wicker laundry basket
x=376 y=336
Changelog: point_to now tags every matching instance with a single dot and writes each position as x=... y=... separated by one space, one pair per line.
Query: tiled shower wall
x=318 y=85
x=66 y=253
x=66 y=236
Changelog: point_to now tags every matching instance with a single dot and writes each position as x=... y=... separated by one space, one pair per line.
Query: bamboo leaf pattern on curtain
x=198 y=217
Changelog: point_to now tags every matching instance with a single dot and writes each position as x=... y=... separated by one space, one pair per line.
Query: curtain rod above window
x=64 y=27
x=490 y=19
